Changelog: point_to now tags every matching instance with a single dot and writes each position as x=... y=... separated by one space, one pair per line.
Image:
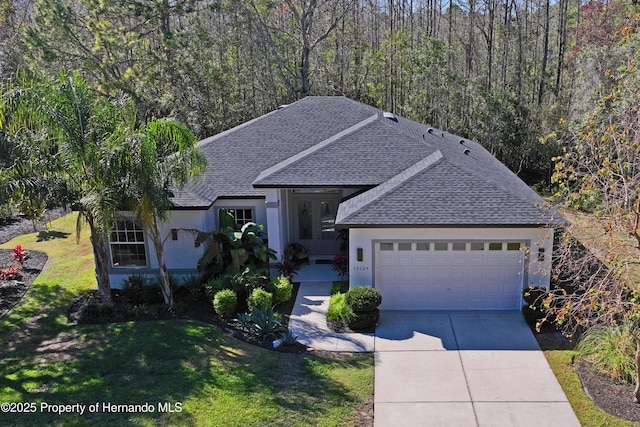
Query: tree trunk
x=165 y=284
x=636 y=392
x=101 y=257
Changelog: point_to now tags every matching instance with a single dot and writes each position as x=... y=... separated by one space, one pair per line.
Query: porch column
x=274 y=227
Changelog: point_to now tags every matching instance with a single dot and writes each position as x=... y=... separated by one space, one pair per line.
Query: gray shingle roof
x=236 y=157
x=416 y=177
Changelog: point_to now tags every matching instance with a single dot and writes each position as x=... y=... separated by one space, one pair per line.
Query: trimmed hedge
x=260 y=298
x=363 y=298
x=225 y=302
x=281 y=288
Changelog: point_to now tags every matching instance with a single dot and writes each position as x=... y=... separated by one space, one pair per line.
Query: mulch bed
x=17 y=225
x=189 y=307
x=608 y=394
x=12 y=291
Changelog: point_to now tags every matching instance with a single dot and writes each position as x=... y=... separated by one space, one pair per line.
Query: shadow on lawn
x=46 y=235
x=169 y=362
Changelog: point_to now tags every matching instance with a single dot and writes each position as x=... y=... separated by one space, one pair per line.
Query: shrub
x=281 y=288
x=260 y=298
x=341 y=286
x=225 y=302
x=338 y=309
x=20 y=255
x=193 y=285
x=340 y=265
x=364 y=320
x=261 y=323
x=11 y=273
x=245 y=281
x=134 y=288
x=212 y=287
x=610 y=349
x=288 y=338
x=287 y=268
x=363 y=298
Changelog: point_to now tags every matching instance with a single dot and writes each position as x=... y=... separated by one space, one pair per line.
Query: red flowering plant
x=340 y=265
x=20 y=255
x=13 y=272
x=287 y=268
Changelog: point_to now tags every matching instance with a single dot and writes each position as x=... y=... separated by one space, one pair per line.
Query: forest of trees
x=506 y=73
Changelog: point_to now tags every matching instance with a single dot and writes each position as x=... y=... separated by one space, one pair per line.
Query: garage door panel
x=420 y=258
x=460 y=276
x=386 y=259
x=477 y=260
x=441 y=258
x=459 y=259
x=404 y=276
x=447 y=279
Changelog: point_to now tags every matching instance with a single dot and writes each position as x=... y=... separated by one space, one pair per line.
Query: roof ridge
x=307 y=152
x=359 y=202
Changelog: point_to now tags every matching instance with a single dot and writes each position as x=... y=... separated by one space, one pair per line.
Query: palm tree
x=77 y=137
x=165 y=157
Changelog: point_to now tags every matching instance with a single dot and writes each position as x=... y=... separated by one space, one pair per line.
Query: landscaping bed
x=12 y=291
x=611 y=396
x=188 y=306
x=17 y=225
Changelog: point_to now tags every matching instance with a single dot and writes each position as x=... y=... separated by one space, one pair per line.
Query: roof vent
x=462 y=141
x=389 y=116
x=430 y=130
x=466 y=151
x=280 y=107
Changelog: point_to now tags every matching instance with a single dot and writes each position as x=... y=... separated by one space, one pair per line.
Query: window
x=495 y=246
x=422 y=246
x=459 y=246
x=404 y=246
x=127 y=245
x=513 y=246
x=242 y=216
x=477 y=246
x=386 y=246
x=441 y=246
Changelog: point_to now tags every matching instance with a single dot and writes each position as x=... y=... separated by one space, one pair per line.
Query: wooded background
x=506 y=73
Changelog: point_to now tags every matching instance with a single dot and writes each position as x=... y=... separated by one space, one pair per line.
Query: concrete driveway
x=463 y=368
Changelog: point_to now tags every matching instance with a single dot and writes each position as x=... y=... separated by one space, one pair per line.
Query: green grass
x=214 y=379
x=589 y=415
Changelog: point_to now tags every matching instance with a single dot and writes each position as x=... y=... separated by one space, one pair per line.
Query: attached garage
x=450 y=274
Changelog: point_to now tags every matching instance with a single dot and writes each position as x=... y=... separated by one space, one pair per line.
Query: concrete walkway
x=459 y=368
x=308 y=322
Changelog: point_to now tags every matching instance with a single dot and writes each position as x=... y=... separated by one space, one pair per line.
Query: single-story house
x=434 y=220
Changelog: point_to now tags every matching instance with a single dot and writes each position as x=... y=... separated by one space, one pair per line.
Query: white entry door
x=450 y=275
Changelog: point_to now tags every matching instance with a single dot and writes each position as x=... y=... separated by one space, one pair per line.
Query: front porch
x=305 y=216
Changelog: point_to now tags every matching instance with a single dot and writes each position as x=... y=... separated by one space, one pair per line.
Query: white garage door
x=453 y=275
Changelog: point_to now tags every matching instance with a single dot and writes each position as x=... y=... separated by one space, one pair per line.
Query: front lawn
x=189 y=373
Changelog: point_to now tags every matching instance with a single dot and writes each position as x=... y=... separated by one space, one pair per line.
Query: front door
x=314 y=218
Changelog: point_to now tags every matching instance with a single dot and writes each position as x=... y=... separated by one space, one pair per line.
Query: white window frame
x=243 y=221
x=130 y=235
